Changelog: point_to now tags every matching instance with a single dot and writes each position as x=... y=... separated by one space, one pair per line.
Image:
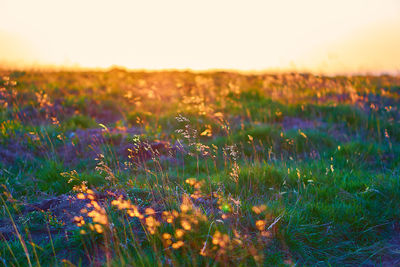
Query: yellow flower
x=152 y=224
x=179 y=233
x=90 y=191
x=191 y=181
x=221 y=240
x=177 y=244
x=185 y=208
x=166 y=236
x=207 y=131
x=98 y=228
x=216 y=238
x=259 y=209
x=260 y=224
x=79 y=221
x=186 y=225
x=266 y=233
x=150 y=211
x=168 y=216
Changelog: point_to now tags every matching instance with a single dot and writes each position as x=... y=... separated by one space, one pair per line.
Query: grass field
x=124 y=168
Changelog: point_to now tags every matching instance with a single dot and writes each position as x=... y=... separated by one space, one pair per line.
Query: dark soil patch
x=392 y=256
x=290 y=123
x=13 y=150
x=89 y=143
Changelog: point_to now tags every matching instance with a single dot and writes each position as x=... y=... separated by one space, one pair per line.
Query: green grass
x=321 y=163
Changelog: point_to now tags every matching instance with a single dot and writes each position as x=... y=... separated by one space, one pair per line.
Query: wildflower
x=186 y=225
x=238 y=241
x=152 y=224
x=203 y=252
x=166 y=236
x=179 y=233
x=134 y=212
x=266 y=234
x=178 y=244
x=98 y=217
x=386 y=134
x=260 y=224
x=167 y=216
x=150 y=211
x=98 y=228
x=90 y=191
x=196 y=195
x=191 y=181
x=79 y=221
x=186 y=204
x=303 y=134
x=221 y=240
x=207 y=131
x=185 y=208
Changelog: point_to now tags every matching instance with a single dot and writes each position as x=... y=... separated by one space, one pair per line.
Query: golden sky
x=338 y=36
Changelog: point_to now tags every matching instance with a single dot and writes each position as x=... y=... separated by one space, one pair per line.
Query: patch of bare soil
x=62 y=208
x=90 y=142
x=392 y=255
x=336 y=130
x=290 y=123
x=389 y=254
x=339 y=132
x=14 y=150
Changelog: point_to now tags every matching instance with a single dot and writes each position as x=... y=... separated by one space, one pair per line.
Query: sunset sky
x=341 y=36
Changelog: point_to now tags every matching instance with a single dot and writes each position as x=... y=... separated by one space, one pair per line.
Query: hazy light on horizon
x=312 y=35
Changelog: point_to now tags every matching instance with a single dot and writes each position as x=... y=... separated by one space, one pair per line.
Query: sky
x=340 y=36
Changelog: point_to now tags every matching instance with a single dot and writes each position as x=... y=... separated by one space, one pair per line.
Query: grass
x=204 y=169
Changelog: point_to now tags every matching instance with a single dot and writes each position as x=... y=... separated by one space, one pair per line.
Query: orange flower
x=178 y=244
x=260 y=224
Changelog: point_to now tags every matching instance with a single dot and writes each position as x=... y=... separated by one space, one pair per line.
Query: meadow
x=119 y=168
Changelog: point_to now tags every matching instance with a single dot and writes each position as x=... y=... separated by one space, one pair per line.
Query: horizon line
x=271 y=71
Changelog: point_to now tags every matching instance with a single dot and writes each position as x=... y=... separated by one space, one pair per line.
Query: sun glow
x=318 y=36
